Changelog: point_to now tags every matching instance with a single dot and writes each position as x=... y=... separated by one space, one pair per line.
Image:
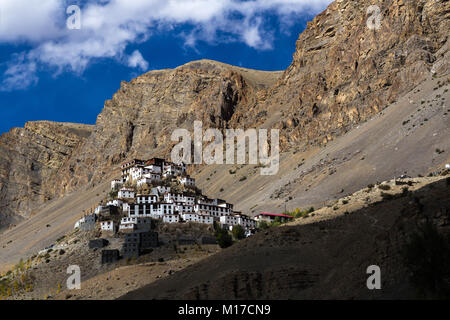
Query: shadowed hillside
x=326 y=255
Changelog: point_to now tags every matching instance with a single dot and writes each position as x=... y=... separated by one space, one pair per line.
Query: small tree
x=223 y=238
x=263 y=225
x=113 y=194
x=238 y=232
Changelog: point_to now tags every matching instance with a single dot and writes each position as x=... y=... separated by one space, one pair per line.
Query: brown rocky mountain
x=29 y=159
x=140 y=118
x=342 y=74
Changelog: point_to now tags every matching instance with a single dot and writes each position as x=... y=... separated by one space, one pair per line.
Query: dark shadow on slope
x=329 y=259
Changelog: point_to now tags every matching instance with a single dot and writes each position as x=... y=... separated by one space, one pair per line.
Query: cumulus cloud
x=30 y=20
x=108 y=27
x=135 y=60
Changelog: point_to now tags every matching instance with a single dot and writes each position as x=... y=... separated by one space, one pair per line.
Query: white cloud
x=30 y=20
x=19 y=75
x=109 y=26
x=136 y=60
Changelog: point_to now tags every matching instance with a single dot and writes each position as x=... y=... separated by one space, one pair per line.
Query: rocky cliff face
x=342 y=74
x=29 y=158
x=140 y=118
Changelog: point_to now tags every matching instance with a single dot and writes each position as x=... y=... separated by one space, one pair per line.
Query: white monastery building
x=187 y=205
x=126 y=193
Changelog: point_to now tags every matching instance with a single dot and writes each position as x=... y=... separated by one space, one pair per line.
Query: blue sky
x=51 y=72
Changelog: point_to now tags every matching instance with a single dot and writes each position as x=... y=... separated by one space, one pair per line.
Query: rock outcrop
x=344 y=72
x=29 y=159
x=140 y=118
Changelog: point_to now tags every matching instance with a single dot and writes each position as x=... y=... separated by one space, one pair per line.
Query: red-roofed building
x=270 y=217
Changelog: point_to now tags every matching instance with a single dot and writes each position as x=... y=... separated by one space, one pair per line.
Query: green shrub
x=298 y=213
x=113 y=194
x=223 y=238
x=238 y=232
x=263 y=225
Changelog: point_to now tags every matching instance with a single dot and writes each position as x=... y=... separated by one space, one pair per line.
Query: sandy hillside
x=403 y=139
x=51 y=222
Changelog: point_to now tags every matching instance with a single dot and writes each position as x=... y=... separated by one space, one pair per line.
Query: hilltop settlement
x=157 y=189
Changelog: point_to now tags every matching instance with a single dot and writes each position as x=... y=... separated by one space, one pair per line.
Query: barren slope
x=401 y=140
x=52 y=221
